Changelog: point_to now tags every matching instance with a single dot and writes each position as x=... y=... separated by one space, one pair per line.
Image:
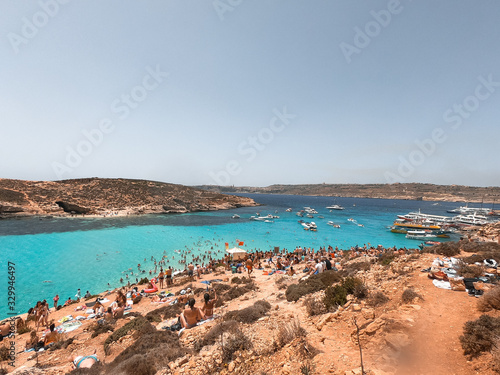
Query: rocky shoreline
x=409 y=191
x=96 y=197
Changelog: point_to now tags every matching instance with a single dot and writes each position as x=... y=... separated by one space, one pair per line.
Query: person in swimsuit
x=190 y=270
x=161 y=276
x=249 y=265
x=84 y=361
x=168 y=273
x=208 y=305
x=56 y=299
x=51 y=337
x=191 y=315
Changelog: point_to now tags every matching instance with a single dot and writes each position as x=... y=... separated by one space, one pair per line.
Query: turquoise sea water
x=58 y=256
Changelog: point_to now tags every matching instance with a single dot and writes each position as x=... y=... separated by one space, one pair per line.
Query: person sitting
x=290 y=271
x=191 y=315
x=208 y=305
x=183 y=298
x=98 y=308
x=68 y=302
x=87 y=295
x=119 y=311
x=33 y=342
x=108 y=315
x=84 y=361
x=51 y=337
x=4 y=331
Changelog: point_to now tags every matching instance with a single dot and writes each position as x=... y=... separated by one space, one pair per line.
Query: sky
x=251 y=93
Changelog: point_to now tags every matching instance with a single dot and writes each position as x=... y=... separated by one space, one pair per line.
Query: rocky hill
x=97 y=196
x=413 y=191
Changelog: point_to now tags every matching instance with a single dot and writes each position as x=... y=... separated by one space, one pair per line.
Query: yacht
x=335 y=207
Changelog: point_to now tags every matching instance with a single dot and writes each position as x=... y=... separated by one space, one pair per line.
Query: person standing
x=161 y=277
x=78 y=295
x=56 y=299
x=168 y=275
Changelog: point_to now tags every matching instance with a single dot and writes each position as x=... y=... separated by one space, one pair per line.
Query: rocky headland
x=103 y=196
x=410 y=191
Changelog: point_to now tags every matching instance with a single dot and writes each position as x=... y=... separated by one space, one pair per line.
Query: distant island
x=411 y=191
x=108 y=197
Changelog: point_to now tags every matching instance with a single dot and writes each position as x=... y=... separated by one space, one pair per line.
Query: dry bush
x=448 y=249
x=314 y=283
x=214 y=335
x=469 y=270
x=314 y=306
x=386 y=258
x=280 y=282
x=98 y=329
x=133 y=325
x=377 y=299
x=288 y=332
x=164 y=312
x=249 y=314
x=220 y=288
x=234 y=342
x=479 y=335
x=61 y=344
x=151 y=351
x=4 y=353
x=357 y=266
x=489 y=300
x=409 y=295
x=238 y=291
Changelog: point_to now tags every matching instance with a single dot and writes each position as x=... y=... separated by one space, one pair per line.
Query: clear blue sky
x=189 y=91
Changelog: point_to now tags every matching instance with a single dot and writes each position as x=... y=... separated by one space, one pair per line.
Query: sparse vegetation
x=287 y=332
x=469 y=270
x=479 y=335
x=386 y=258
x=249 y=314
x=133 y=325
x=314 y=306
x=163 y=313
x=313 y=284
x=98 y=329
x=335 y=296
x=448 y=249
x=489 y=300
x=409 y=295
x=4 y=353
x=377 y=299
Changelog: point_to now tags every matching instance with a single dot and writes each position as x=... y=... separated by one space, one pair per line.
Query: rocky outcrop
x=411 y=191
x=108 y=196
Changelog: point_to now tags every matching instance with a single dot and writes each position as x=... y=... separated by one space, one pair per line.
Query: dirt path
x=438 y=325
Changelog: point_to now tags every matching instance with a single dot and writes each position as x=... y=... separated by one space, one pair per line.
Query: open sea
x=59 y=255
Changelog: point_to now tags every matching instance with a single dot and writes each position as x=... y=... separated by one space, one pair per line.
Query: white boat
x=418 y=216
x=309 y=216
x=466 y=210
x=288 y=210
x=335 y=207
x=473 y=219
x=310 y=226
x=310 y=210
x=419 y=235
x=236 y=216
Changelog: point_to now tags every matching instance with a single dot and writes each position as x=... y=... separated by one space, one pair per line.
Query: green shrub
x=313 y=283
x=335 y=296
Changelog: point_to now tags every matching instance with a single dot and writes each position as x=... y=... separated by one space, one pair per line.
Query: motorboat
x=236 y=216
x=288 y=210
x=419 y=234
x=335 y=207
